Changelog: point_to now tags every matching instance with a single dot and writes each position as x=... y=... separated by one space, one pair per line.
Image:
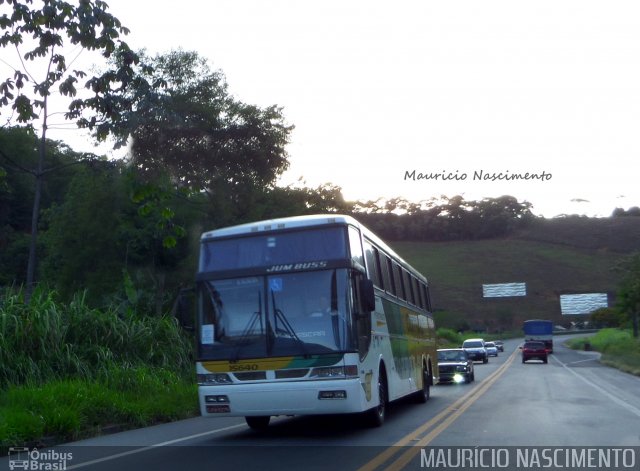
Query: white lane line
x=581 y=361
x=150 y=447
x=615 y=399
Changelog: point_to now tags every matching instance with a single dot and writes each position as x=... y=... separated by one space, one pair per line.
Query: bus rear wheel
x=260 y=422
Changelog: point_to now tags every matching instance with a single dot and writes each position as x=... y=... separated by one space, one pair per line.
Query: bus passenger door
x=362 y=314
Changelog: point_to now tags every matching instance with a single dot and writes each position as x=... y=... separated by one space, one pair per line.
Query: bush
x=448 y=338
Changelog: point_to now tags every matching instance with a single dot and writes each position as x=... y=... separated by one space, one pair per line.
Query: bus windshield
x=267 y=250
x=286 y=314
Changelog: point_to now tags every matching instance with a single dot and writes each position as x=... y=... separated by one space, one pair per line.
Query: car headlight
x=461 y=368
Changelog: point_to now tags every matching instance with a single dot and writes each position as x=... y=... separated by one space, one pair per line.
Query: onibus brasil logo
x=50 y=460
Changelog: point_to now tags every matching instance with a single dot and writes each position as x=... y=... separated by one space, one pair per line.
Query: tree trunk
x=35 y=214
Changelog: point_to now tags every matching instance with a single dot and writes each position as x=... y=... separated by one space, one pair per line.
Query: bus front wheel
x=258 y=422
x=375 y=417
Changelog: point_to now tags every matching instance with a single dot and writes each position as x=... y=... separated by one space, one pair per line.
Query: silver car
x=492 y=350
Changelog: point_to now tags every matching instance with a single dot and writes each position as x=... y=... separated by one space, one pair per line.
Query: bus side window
x=372 y=264
x=427 y=297
x=355 y=246
x=384 y=269
x=392 y=279
x=407 y=286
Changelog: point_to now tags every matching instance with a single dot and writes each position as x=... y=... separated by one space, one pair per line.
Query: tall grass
x=66 y=370
x=45 y=340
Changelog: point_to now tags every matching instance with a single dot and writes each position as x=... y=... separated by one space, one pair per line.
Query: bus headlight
x=350 y=371
x=214 y=378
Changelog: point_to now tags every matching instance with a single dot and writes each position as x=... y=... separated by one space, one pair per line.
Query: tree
x=83 y=240
x=607 y=317
x=16 y=194
x=203 y=138
x=629 y=291
x=45 y=31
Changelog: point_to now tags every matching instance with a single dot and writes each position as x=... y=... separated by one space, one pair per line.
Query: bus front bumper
x=283 y=398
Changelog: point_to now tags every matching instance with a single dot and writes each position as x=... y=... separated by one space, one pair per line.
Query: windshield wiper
x=256 y=317
x=335 y=318
x=279 y=315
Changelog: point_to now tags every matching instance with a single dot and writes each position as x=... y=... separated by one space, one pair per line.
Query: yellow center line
x=447 y=416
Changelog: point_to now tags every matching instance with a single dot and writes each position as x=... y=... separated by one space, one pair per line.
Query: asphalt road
x=571 y=401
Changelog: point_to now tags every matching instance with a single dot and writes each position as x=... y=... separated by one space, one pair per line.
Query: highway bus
x=309 y=315
x=541 y=330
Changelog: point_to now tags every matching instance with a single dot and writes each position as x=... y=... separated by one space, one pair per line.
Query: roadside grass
x=65 y=410
x=618 y=347
x=67 y=370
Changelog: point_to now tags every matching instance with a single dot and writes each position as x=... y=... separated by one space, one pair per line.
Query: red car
x=534 y=351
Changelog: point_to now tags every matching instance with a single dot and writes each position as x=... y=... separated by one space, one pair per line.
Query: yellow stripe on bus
x=259 y=364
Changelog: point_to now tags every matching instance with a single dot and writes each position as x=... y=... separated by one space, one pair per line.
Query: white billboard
x=571 y=304
x=503 y=290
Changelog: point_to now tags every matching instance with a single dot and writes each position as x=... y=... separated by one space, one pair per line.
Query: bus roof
x=293 y=222
x=299 y=222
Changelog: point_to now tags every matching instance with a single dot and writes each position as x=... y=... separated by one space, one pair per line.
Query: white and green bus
x=309 y=315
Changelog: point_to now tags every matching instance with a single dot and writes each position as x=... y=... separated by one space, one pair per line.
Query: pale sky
x=378 y=88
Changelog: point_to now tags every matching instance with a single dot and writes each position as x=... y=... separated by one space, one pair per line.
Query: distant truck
x=540 y=330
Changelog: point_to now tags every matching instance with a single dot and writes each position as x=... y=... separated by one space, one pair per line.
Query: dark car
x=499 y=345
x=455 y=366
x=534 y=351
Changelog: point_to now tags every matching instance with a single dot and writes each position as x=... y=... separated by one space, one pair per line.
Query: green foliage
x=154 y=200
x=98 y=233
x=45 y=340
x=92 y=209
x=607 y=317
x=448 y=338
x=629 y=290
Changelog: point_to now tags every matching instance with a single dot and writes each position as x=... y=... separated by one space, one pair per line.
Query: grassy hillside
x=553 y=257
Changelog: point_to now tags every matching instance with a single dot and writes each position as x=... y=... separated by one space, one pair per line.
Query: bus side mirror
x=183 y=308
x=367 y=295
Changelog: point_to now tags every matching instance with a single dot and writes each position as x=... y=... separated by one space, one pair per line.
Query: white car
x=492 y=350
